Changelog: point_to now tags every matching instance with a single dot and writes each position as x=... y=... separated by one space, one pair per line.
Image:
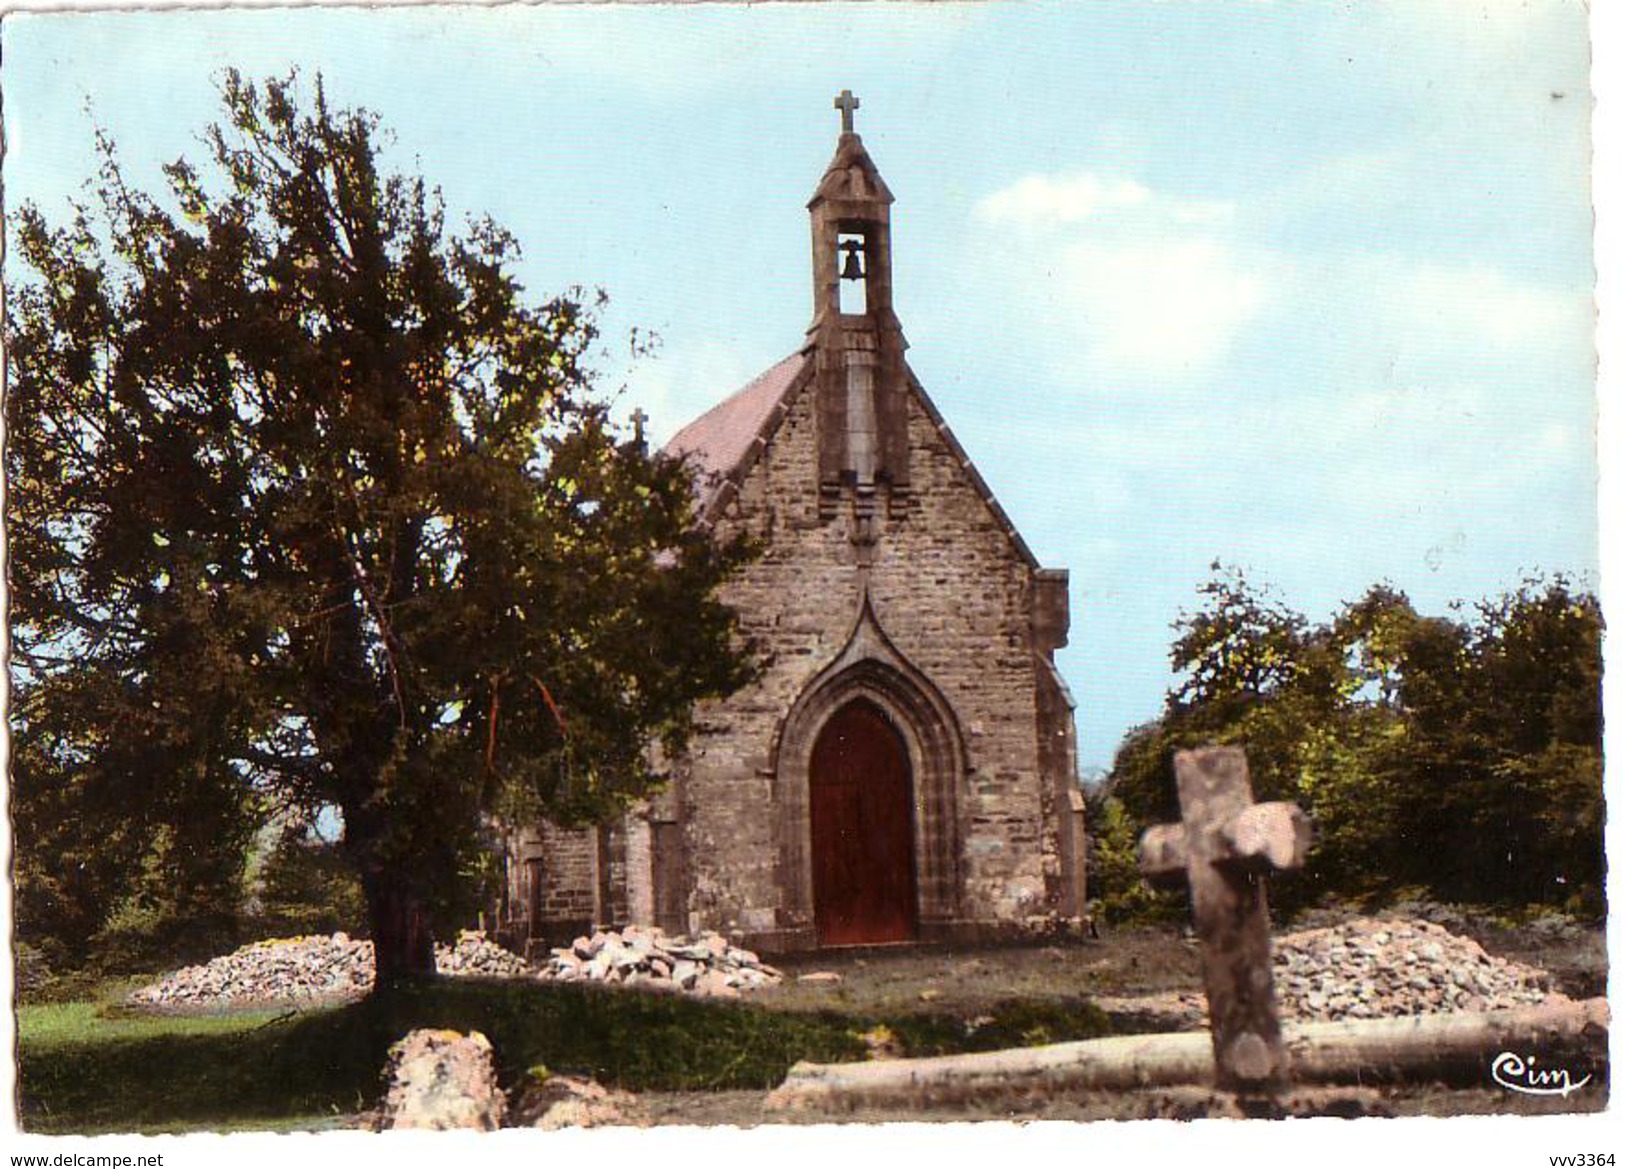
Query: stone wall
x=553 y=885
x=1066 y=842
x=954 y=594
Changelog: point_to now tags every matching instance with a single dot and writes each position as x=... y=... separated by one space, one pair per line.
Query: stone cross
x=638 y=419
x=1223 y=848
x=846 y=103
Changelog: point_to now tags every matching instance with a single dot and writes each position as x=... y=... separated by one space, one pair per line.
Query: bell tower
x=855 y=340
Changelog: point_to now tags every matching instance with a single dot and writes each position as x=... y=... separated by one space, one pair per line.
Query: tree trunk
x=1452 y=1048
x=402 y=942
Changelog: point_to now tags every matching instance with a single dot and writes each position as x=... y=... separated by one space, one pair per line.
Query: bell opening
x=851 y=249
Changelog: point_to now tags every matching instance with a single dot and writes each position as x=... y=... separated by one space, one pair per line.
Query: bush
x=1120 y=894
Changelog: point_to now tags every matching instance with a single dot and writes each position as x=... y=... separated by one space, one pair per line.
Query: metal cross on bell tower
x=846 y=103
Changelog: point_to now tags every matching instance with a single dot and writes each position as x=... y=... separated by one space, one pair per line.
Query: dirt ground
x=1138 y=976
x=971 y=980
x=744 y=1109
x=1135 y=975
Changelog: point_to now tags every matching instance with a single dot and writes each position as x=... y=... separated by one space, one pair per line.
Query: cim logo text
x=1518 y=1074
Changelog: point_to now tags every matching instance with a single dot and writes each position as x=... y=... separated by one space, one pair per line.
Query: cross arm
x=1271 y=837
x=1163 y=854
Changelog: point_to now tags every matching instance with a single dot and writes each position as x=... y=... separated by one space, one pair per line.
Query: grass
x=59 y=1024
x=86 y=1067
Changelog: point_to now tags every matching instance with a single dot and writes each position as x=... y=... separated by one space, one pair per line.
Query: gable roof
x=722 y=443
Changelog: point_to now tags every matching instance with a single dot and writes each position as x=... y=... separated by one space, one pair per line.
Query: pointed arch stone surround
x=870 y=667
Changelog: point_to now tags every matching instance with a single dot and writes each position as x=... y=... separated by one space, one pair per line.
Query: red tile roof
x=722 y=442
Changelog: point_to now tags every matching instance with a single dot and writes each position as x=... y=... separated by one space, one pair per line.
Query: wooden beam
x=1451 y=1048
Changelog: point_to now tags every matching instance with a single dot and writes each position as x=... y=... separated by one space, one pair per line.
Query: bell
x=853 y=268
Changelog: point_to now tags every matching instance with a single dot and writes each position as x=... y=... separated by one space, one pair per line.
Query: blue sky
x=1303 y=287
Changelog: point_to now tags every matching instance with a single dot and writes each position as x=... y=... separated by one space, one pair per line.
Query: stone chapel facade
x=904 y=768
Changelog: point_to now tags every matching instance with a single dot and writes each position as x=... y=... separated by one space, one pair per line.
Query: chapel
x=903 y=770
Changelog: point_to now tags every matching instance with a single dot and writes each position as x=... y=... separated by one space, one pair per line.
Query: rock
x=716 y=943
x=335 y=968
x=1369 y=968
x=714 y=984
x=314 y=969
x=554 y=1102
x=473 y=954
x=646 y=958
x=442 y=1080
x=828 y=976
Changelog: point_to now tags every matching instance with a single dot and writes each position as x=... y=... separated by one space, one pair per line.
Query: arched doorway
x=862 y=811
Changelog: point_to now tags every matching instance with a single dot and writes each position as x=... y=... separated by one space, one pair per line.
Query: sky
x=1305 y=288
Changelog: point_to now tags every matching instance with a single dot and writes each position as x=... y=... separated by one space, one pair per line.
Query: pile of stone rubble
x=708 y=965
x=477 y=956
x=1366 y=968
x=1370 y=968
x=317 y=968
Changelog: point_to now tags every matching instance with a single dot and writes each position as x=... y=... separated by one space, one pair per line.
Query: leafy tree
x=1461 y=754
x=312 y=508
x=1241 y=648
x=1533 y=802
x=1252 y=673
x=1492 y=770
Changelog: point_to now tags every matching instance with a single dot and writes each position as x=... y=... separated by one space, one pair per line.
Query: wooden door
x=862 y=806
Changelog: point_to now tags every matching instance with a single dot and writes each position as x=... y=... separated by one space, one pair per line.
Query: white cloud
x=1557 y=438
x=1041 y=202
x=665 y=52
x=1044 y=200
x=1165 y=307
x=1481 y=302
x=1146 y=285
x=1473 y=339
x=1394 y=391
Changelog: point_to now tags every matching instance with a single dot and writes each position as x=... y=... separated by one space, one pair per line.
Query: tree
x=1252 y=672
x=1461 y=754
x=311 y=509
x=1535 y=802
x=1242 y=647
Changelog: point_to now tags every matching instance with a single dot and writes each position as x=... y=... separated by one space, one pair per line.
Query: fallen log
x=1443 y=1048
